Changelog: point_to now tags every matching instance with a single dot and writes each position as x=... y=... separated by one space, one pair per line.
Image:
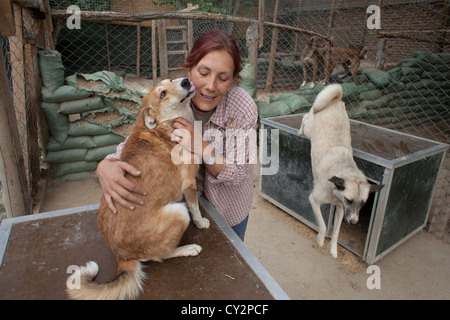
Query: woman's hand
x=188 y=136
x=117 y=188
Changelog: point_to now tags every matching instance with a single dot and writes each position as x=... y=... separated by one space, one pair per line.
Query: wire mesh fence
x=400 y=50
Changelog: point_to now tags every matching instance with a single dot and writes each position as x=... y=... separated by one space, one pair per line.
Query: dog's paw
x=303 y=84
x=333 y=251
x=203 y=223
x=320 y=239
x=311 y=86
x=192 y=250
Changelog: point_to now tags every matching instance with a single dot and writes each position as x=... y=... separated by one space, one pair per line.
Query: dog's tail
x=126 y=285
x=327 y=96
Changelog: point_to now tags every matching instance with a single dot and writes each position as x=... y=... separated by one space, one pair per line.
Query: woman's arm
x=116 y=188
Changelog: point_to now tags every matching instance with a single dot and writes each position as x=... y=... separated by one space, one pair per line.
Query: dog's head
x=353 y=192
x=167 y=101
x=319 y=42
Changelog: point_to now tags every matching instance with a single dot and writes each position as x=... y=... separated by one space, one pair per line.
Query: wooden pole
x=252 y=40
x=7 y=26
x=380 y=55
x=190 y=30
x=12 y=169
x=163 y=62
x=273 y=50
x=154 y=62
x=32 y=94
x=116 y=16
x=107 y=47
x=138 y=57
x=261 y=10
x=48 y=26
x=297 y=18
x=330 y=21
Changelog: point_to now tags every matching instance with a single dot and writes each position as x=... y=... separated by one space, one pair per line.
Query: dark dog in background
x=347 y=56
x=324 y=56
x=313 y=54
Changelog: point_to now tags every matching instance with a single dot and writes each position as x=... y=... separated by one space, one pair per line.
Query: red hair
x=215 y=40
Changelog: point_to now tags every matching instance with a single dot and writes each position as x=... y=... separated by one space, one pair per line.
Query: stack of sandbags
x=86 y=119
x=413 y=92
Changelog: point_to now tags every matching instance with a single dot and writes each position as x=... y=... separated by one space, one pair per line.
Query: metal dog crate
x=408 y=166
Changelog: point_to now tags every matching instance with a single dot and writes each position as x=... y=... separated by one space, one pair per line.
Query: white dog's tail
x=126 y=285
x=327 y=96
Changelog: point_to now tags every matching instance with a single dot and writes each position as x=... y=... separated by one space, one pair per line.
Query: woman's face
x=212 y=77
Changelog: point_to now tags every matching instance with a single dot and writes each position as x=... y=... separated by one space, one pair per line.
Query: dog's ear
x=338 y=182
x=376 y=187
x=310 y=41
x=149 y=121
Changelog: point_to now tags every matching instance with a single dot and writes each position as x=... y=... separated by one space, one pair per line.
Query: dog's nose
x=185 y=83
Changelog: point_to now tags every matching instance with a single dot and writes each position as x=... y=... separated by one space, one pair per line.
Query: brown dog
x=344 y=56
x=313 y=54
x=152 y=231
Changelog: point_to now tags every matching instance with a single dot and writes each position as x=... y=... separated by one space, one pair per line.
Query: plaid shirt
x=231 y=130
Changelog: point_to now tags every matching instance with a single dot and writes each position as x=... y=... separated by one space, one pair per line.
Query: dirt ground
x=417 y=269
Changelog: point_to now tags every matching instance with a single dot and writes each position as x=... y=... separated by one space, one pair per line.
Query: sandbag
x=408 y=71
x=84 y=128
x=370 y=95
x=58 y=123
x=107 y=81
x=293 y=101
x=428 y=57
x=69 y=155
x=75 y=176
x=81 y=142
x=248 y=82
x=266 y=109
x=395 y=74
x=306 y=91
x=98 y=154
x=82 y=105
x=107 y=139
x=52 y=69
x=128 y=107
x=64 y=93
x=61 y=169
x=379 y=78
x=105 y=117
x=350 y=91
x=426 y=84
x=444 y=57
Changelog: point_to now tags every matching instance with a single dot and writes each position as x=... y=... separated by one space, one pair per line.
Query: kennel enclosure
x=408 y=166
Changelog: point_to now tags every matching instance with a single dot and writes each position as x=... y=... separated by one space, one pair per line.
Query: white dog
x=337 y=179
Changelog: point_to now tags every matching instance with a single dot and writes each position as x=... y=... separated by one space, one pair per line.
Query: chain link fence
x=403 y=77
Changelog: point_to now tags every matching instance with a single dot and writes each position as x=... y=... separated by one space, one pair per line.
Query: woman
x=213 y=67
